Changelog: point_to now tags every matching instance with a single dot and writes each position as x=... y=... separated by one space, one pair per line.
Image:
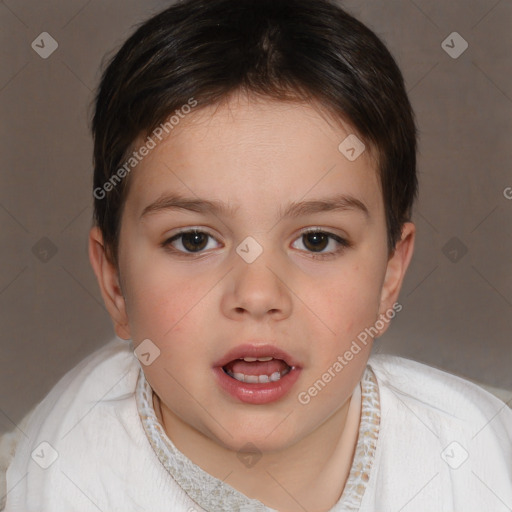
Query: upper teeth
x=252 y=359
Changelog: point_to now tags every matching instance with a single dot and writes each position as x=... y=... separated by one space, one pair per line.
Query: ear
x=397 y=265
x=108 y=280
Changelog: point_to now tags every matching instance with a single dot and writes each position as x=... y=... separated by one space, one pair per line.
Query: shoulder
x=101 y=371
x=441 y=434
x=84 y=447
x=82 y=407
x=108 y=373
x=442 y=397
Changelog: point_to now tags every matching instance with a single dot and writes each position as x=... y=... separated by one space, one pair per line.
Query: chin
x=266 y=435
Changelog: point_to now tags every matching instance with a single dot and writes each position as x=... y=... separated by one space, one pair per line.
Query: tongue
x=256 y=367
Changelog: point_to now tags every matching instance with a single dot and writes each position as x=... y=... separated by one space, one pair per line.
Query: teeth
x=275 y=377
x=255 y=379
x=252 y=359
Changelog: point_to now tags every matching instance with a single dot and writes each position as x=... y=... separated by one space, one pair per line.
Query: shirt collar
x=213 y=494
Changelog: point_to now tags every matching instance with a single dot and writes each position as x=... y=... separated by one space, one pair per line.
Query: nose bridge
x=254 y=259
x=257 y=285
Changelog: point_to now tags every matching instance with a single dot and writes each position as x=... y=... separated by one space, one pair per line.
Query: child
x=255 y=172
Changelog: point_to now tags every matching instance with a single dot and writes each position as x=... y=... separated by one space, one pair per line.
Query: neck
x=310 y=474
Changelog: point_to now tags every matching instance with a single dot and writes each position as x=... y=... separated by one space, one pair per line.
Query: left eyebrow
x=341 y=202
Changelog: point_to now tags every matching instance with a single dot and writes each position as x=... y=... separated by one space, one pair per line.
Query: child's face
x=197 y=307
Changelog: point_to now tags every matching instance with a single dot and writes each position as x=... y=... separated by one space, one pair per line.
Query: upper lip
x=257 y=350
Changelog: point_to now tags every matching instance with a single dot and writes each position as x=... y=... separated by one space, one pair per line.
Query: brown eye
x=315 y=241
x=192 y=241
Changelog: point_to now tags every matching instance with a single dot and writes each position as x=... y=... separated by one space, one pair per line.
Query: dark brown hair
x=289 y=50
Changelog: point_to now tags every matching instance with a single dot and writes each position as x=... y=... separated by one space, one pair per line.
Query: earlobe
x=108 y=281
x=397 y=267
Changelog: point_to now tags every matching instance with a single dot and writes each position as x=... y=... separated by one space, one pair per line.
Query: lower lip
x=261 y=393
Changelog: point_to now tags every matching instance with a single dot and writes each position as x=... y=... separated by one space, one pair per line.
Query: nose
x=258 y=290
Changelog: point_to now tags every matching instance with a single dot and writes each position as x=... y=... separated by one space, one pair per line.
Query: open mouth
x=257 y=370
x=257 y=374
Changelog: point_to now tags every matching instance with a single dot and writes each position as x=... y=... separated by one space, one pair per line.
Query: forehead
x=255 y=152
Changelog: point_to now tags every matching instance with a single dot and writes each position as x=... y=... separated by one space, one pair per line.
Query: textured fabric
x=212 y=494
x=443 y=444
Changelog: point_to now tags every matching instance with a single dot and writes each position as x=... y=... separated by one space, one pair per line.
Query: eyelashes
x=315 y=240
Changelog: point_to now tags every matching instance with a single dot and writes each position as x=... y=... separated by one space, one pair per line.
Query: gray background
x=457 y=305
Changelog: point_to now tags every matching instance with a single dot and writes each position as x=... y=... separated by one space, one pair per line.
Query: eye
x=194 y=241
x=316 y=241
x=191 y=241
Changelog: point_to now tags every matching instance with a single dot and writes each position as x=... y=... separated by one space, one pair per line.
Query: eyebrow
x=340 y=202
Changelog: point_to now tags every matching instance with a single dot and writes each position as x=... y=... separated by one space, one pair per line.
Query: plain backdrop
x=457 y=296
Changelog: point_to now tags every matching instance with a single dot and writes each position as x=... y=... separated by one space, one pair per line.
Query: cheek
x=159 y=303
x=349 y=301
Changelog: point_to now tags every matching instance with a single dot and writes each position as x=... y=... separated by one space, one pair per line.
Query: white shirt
x=428 y=442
